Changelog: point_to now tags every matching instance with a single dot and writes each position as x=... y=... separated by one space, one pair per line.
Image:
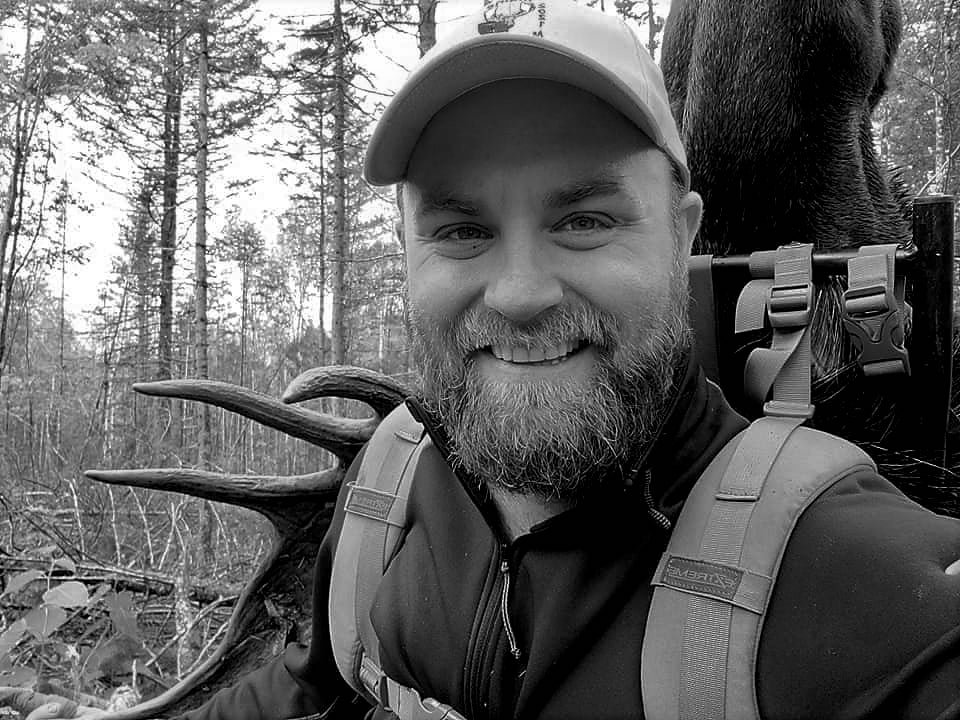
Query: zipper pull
x=504 y=612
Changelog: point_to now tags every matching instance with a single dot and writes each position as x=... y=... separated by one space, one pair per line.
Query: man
x=546 y=223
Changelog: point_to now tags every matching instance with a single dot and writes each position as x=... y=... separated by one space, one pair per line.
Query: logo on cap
x=500 y=15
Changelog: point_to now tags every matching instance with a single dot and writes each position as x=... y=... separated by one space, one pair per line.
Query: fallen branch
x=26 y=701
x=139 y=581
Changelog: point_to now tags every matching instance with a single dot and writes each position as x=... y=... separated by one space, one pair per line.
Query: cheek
x=438 y=290
x=632 y=291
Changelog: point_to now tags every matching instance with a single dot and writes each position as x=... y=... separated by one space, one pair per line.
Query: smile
x=537 y=356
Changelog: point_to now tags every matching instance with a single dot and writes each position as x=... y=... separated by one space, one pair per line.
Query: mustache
x=480 y=327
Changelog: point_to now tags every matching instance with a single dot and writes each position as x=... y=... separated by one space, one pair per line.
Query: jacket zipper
x=494 y=618
x=505 y=609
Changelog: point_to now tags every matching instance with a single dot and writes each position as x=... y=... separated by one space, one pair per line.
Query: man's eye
x=584 y=223
x=461 y=241
x=463 y=233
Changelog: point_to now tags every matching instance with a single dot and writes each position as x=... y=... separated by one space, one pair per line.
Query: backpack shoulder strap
x=714 y=580
x=376 y=514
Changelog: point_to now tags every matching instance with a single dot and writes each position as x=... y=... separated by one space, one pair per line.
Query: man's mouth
x=537 y=356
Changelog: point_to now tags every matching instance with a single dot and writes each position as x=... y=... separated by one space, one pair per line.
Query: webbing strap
x=703 y=315
x=372 y=545
x=752 y=306
x=375 y=549
x=703 y=681
x=703 y=670
x=784 y=367
x=714 y=582
x=874 y=310
x=375 y=514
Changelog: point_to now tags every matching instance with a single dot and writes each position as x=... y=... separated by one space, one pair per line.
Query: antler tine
x=379 y=391
x=290 y=502
x=341 y=436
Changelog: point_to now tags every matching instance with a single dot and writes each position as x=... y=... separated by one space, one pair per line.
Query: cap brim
x=477 y=62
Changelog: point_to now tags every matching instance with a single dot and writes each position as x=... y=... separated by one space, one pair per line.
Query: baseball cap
x=556 y=40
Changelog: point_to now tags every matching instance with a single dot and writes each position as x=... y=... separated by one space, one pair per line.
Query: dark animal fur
x=773 y=99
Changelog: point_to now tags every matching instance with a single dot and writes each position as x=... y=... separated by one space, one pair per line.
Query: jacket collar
x=700 y=422
x=699 y=425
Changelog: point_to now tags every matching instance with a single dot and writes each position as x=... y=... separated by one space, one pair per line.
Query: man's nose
x=525 y=285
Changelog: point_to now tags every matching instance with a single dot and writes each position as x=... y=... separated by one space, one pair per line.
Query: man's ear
x=688 y=220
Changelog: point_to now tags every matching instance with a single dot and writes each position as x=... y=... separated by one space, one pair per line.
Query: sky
x=389 y=59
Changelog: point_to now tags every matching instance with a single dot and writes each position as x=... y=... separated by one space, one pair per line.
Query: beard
x=557 y=437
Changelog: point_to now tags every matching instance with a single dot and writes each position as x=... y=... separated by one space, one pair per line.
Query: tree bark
x=173 y=96
x=24 y=124
x=200 y=255
x=61 y=315
x=322 y=279
x=200 y=272
x=940 y=155
x=338 y=329
x=144 y=288
x=427 y=25
x=651 y=28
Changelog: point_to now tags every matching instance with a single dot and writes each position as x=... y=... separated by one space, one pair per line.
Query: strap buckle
x=790 y=305
x=374 y=680
x=868 y=301
x=783 y=409
x=406 y=704
x=873 y=318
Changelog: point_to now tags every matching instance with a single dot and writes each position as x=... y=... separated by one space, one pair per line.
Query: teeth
x=557 y=352
x=553 y=355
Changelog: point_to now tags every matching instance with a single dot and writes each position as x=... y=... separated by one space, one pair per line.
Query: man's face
x=547 y=284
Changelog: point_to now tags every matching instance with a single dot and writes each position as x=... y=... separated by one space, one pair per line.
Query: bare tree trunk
x=322 y=280
x=427 y=25
x=104 y=396
x=244 y=291
x=5 y=233
x=940 y=153
x=10 y=201
x=200 y=275
x=12 y=267
x=173 y=95
x=200 y=257
x=144 y=289
x=381 y=332
x=22 y=136
x=61 y=312
x=338 y=329
x=651 y=29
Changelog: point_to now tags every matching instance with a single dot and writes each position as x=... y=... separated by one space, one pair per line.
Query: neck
x=519 y=512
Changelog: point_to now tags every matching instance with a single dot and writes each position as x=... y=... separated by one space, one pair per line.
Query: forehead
x=511 y=127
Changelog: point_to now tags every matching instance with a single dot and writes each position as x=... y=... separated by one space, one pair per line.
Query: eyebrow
x=436 y=202
x=432 y=203
x=603 y=186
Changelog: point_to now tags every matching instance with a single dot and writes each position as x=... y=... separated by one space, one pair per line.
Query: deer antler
x=276 y=604
x=341 y=436
x=288 y=501
x=378 y=391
